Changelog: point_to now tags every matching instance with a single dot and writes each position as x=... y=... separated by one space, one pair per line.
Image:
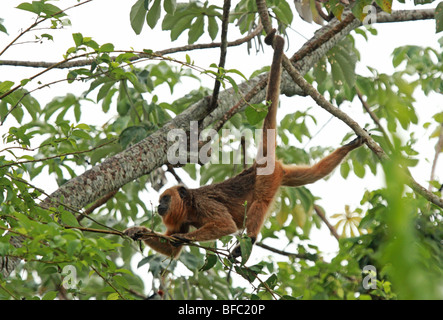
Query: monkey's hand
x=181 y=238
x=135 y=233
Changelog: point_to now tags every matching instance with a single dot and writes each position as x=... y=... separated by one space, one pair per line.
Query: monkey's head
x=173 y=204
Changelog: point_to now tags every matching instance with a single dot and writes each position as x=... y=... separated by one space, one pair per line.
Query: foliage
x=68 y=254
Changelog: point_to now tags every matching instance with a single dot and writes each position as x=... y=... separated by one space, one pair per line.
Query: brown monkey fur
x=218 y=210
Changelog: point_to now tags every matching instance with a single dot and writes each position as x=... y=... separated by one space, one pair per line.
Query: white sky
x=108 y=21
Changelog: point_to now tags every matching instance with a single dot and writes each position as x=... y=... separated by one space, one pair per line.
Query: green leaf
x=28 y=7
x=78 y=39
x=3 y=28
x=343 y=60
x=72 y=246
x=107 y=47
x=180 y=26
x=132 y=135
x=439 y=17
x=51 y=295
x=212 y=27
x=385 y=5
x=272 y=281
x=69 y=219
x=196 y=30
x=113 y=296
x=210 y=261
x=81 y=134
x=82 y=126
x=5 y=86
x=137 y=16
x=121 y=281
x=283 y=12
x=123 y=107
x=246 y=248
x=359 y=169
x=255 y=115
x=170 y=6
x=154 y=14
x=344 y=169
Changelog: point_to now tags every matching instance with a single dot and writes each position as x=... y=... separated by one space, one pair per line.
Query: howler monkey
x=217 y=210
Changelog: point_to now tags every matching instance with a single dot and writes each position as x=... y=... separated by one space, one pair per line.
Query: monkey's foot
x=357 y=142
x=234 y=254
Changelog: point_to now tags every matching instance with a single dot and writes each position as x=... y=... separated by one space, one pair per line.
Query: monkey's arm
x=160 y=245
x=214 y=222
x=295 y=176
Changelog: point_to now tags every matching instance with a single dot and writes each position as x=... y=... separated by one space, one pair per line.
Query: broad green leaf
x=113 y=296
x=5 y=86
x=51 y=295
x=107 y=47
x=121 y=281
x=196 y=30
x=210 y=261
x=246 y=248
x=81 y=134
x=2 y=27
x=132 y=135
x=29 y=7
x=254 y=115
x=69 y=219
x=78 y=39
x=170 y=6
x=212 y=27
x=137 y=16
x=154 y=14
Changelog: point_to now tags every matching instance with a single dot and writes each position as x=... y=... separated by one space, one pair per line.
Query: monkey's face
x=171 y=202
x=164 y=204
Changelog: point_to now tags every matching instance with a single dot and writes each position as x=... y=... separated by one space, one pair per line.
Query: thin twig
x=374 y=118
x=288 y=254
x=223 y=47
x=322 y=216
x=108 y=282
x=58 y=155
x=40 y=21
x=86 y=62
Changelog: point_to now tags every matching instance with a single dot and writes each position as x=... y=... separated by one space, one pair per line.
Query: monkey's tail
x=272 y=93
